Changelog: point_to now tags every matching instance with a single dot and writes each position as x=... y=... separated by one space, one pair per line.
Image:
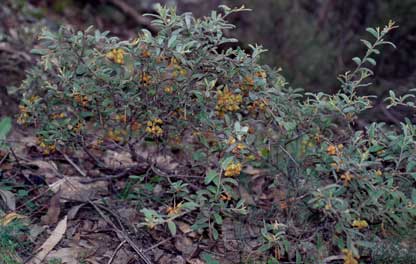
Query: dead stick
x=74 y=165
x=115 y=251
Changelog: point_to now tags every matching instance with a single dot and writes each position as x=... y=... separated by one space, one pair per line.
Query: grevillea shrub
x=246 y=145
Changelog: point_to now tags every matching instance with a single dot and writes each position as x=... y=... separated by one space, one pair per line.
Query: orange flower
x=145 y=53
x=154 y=127
x=116 y=55
x=145 y=79
x=168 y=89
x=347 y=177
x=115 y=135
x=360 y=224
x=349 y=257
x=121 y=118
x=248 y=83
x=175 y=209
x=225 y=197
x=331 y=150
x=81 y=99
x=227 y=102
x=233 y=169
x=238 y=148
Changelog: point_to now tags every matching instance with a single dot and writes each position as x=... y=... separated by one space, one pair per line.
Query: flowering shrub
x=230 y=118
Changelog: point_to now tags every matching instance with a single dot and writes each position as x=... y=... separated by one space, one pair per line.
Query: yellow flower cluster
x=227 y=102
x=58 y=116
x=122 y=118
x=77 y=128
x=23 y=115
x=145 y=53
x=177 y=69
x=238 y=148
x=46 y=148
x=145 y=79
x=347 y=177
x=115 y=135
x=81 y=99
x=168 y=89
x=248 y=84
x=175 y=209
x=261 y=74
x=360 y=224
x=233 y=169
x=225 y=197
x=116 y=55
x=33 y=99
x=257 y=105
x=154 y=127
x=334 y=150
x=349 y=257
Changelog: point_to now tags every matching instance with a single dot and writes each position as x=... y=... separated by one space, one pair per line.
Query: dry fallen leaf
x=185 y=246
x=114 y=159
x=9 y=199
x=51 y=242
x=65 y=255
x=54 y=210
x=72 y=188
x=195 y=261
x=7 y=219
x=48 y=169
x=72 y=213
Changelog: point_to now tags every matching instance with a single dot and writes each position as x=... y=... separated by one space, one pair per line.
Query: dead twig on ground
x=4 y=158
x=115 y=251
x=158 y=244
x=74 y=165
x=122 y=234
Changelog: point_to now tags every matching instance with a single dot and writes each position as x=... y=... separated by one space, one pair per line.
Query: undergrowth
x=238 y=142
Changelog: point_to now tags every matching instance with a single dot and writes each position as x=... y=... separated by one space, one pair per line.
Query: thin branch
x=74 y=165
x=115 y=251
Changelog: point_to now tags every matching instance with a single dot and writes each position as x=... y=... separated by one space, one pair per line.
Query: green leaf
x=5 y=127
x=172 y=228
x=210 y=176
x=372 y=61
x=215 y=233
x=375 y=148
x=208 y=259
x=357 y=60
x=218 y=218
x=226 y=162
x=367 y=43
x=373 y=32
x=39 y=51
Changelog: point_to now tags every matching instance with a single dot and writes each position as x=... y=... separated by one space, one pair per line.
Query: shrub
x=232 y=121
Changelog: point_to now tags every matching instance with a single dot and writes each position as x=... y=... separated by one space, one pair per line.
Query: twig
x=136 y=248
x=4 y=158
x=74 y=165
x=115 y=251
x=158 y=244
x=106 y=178
x=20 y=166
